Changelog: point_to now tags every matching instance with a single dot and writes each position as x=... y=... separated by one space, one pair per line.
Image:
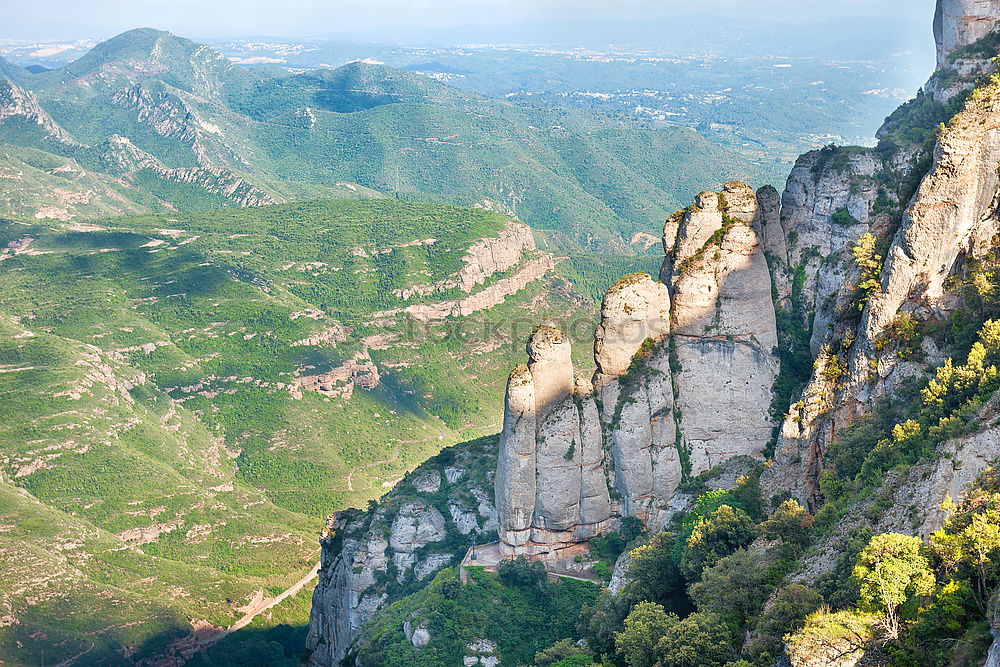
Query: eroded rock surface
x=959 y=23
x=405 y=534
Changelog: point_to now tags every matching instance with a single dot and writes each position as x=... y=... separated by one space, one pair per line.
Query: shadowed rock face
x=958 y=23
x=724 y=328
x=551 y=367
x=635 y=309
x=550 y=484
x=722 y=324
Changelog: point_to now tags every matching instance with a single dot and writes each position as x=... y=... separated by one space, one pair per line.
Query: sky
x=61 y=19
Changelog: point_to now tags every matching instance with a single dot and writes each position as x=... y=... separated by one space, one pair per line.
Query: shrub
x=521 y=572
x=720 y=534
x=844 y=218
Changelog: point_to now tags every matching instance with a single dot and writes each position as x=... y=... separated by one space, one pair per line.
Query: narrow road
x=71 y=661
x=260 y=608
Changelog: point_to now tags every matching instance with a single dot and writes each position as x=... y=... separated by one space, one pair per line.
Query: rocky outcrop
x=551 y=491
x=165 y=114
x=685 y=369
x=824 y=210
x=16 y=102
x=950 y=220
x=371 y=558
x=123 y=158
x=913 y=501
x=634 y=309
x=175 y=115
x=360 y=371
x=723 y=328
x=685 y=366
x=492 y=295
x=959 y=23
x=485 y=258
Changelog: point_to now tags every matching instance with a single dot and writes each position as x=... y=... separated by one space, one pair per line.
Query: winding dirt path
x=72 y=661
x=260 y=608
x=395 y=455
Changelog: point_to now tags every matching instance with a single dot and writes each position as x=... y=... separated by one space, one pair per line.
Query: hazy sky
x=100 y=18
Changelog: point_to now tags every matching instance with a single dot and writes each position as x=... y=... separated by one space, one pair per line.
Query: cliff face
x=959 y=23
x=424 y=524
x=125 y=159
x=16 y=102
x=930 y=234
x=723 y=327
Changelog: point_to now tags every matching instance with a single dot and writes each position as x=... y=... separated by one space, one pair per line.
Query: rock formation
x=959 y=23
x=16 y=102
x=406 y=534
x=550 y=486
x=950 y=220
x=712 y=403
x=125 y=159
x=724 y=329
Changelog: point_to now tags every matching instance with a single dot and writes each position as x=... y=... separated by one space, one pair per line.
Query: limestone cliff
x=16 y=102
x=124 y=159
x=959 y=23
x=929 y=232
x=371 y=558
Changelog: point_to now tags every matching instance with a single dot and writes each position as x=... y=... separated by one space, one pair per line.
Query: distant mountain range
x=149 y=120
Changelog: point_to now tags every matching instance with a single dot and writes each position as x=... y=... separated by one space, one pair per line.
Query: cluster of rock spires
x=576 y=452
x=686 y=366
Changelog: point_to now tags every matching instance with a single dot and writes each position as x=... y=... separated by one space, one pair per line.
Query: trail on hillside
x=260 y=608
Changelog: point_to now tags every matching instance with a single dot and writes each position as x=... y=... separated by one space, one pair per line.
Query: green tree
x=700 y=640
x=652 y=636
x=786 y=614
x=869 y=263
x=644 y=627
x=972 y=538
x=889 y=571
x=719 y=534
x=734 y=588
x=559 y=652
x=601 y=622
x=831 y=638
x=790 y=522
x=521 y=572
x=652 y=574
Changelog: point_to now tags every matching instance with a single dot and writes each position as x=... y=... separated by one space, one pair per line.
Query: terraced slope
x=187 y=396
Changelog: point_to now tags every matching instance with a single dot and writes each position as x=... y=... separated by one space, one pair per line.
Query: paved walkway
x=487 y=556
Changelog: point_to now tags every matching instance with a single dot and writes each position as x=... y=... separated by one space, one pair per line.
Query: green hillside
x=592 y=179
x=159 y=463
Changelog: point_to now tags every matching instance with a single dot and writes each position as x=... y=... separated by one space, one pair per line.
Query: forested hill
x=149 y=120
